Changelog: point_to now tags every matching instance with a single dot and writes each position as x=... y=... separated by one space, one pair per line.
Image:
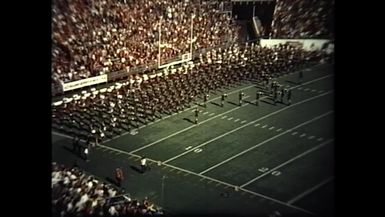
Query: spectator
x=77 y=194
x=96 y=38
x=303 y=19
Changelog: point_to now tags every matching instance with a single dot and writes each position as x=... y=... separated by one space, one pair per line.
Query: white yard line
x=168 y=116
x=295 y=199
x=245 y=125
x=288 y=161
x=62 y=135
x=118 y=136
x=277 y=201
x=214 y=180
x=311 y=137
x=306 y=83
x=265 y=141
x=181 y=131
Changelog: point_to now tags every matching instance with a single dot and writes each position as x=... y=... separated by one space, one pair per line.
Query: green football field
x=244 y=160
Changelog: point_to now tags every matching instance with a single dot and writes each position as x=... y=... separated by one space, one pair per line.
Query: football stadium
x=192 y=108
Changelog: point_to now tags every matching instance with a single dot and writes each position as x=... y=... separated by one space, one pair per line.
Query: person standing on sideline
x=75 y=147
x=119 y=176
x=205 y=99
x=143 y=164
x=85 y=153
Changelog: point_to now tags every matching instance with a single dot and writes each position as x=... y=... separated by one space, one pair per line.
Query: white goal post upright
x=159 y=39
x=191 y=36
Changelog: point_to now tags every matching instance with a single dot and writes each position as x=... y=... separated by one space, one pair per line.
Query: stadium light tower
x=159 y=39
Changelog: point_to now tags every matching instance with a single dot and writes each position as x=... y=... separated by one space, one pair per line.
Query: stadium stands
x=96 y=37
x=76 y=194
x=303 y=19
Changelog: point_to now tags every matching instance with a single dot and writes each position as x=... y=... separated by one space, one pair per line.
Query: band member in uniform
x=300 y=76
x=279 y=95
x=272 y=87
x=241 y=94
x=275 y=96
x=196 y=115
x=205 y=99
x=258 y=97
x=283 y=91
x=224 y=96
x=289 y=97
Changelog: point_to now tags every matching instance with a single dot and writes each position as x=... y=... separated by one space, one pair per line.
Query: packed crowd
x=76 y=194
x=107 y=112
x=303 y=19
x=93 y=37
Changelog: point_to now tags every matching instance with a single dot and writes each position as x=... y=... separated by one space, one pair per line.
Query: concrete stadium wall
x=307 y=44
